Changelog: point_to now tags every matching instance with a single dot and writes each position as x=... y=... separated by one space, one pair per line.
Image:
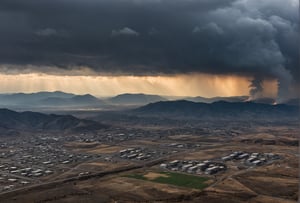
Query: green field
x=177 y=179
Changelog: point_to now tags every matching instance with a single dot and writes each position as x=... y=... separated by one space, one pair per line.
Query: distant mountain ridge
x=61 y=100
x=52 y=99
x=30 y=97
x=262 y=100
x=79 y=100
x=31 y=121
x=215 y=99
x=220 y=109
x=135 y=99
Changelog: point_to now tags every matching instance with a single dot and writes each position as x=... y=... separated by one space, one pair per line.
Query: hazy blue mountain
x=263 y=100
x=215 y=99
x=49 y=99
x=268 y=100
x=24 y=99
x=79 y=100
x=220 y=109
x=11 y=120
x=135 y=99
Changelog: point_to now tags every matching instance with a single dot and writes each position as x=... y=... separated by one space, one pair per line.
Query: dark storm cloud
x=246 y=37
x=88 y=26
x=124 y=31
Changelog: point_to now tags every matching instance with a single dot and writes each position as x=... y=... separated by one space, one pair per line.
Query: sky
x=168 y=47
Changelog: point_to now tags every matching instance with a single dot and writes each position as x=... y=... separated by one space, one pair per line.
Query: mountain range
x=182 y=109
x=215 y=99
x=135 y=99
x=217 y=110
x=79 y=100
x=62 y=100
x=49 y=99
x=32 y=121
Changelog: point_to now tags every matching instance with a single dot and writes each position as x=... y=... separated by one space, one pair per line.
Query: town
x=29 y=159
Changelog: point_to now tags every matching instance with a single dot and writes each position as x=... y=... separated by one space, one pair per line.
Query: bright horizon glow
x=205 y=85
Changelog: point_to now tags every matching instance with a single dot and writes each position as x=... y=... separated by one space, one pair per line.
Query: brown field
x=94 y=148
x=261 y=183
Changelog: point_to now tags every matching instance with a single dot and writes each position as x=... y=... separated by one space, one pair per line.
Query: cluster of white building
x=135 y=153
x=254 y=158
x=210 y=167
x=195 y=167
x=27 y=172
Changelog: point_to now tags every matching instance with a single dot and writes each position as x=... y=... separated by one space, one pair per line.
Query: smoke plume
x=285 y=80
x=256 y=88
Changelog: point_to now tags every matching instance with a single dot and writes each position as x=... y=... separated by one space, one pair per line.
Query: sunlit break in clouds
x=178 y=85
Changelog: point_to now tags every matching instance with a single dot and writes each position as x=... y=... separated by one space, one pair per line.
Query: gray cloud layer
x=246 y=37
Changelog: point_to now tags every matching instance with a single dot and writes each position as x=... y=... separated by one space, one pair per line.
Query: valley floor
x=151 y=165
